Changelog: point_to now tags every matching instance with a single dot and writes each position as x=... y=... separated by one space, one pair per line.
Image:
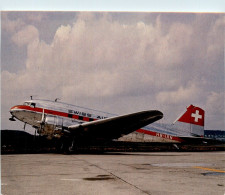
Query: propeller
x=42 y=122
x=43 y=116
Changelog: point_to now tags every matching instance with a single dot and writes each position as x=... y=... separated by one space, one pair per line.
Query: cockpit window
x=33 y=105
x=26 y=103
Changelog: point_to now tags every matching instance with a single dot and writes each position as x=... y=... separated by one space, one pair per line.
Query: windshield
x=26 y=103
x=31 y=104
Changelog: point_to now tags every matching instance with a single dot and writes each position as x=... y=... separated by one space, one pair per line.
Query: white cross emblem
x=196 y=115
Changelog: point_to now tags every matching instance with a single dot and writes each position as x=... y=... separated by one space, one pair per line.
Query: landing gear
x=65 y=145
x=12 y=118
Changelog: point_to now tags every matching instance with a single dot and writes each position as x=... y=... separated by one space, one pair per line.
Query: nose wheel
x=12 y=118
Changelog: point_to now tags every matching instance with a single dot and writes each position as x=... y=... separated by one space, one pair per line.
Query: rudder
x=192 y=121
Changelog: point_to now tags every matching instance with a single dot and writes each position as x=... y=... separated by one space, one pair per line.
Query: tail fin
x=192 y=121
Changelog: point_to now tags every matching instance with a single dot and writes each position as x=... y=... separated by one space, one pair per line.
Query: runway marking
x=209 y=169
x=181 y=165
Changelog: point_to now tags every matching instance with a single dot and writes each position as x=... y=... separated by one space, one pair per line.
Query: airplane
x=75 y=125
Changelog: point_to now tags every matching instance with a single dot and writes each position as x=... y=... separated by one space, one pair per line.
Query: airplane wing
x=115 y=127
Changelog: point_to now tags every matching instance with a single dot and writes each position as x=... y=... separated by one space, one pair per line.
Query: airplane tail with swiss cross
x=192 y=121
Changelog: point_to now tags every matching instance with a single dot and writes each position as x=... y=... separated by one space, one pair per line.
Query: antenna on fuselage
x=31 y=97
x=24 y=127
x=56 y=99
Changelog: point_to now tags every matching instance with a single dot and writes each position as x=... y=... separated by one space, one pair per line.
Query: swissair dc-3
x=77 y=125
x=74 y=125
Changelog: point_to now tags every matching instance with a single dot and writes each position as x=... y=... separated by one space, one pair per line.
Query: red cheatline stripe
x=63 y=114
x=52 y=112
x=156 y=134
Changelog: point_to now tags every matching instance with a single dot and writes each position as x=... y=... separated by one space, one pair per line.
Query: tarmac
x=114 y=173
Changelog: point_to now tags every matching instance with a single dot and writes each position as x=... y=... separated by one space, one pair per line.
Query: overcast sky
x=118 y=62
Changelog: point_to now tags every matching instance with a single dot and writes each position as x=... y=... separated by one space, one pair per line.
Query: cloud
x=10 y=26
x=215 y=106
x=98 y=58
x=181 y=95
x=26 y=36
x=215 y=103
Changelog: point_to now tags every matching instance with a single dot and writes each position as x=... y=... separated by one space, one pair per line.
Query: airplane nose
x=12 y=110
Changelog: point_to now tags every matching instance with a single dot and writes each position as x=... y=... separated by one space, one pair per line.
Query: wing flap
x=115 y=127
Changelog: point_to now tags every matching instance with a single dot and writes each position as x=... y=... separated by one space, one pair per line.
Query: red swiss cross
x=193 y=115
